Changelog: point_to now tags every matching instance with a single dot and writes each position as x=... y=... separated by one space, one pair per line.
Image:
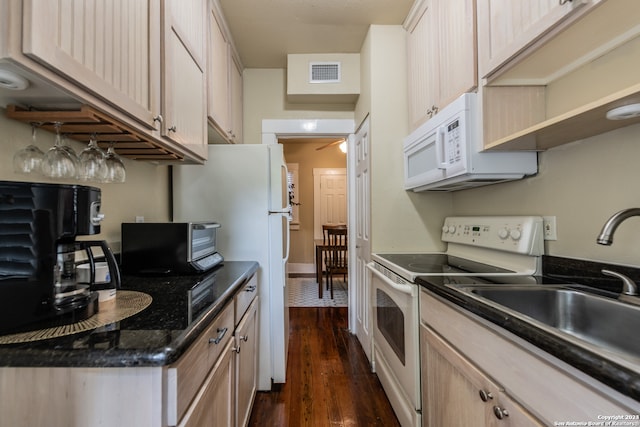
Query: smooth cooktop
x=441 y=264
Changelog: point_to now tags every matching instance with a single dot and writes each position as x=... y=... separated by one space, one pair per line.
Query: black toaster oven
x=169 y=247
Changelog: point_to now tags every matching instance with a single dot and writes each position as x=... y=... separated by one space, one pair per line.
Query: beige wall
x=264 y=92
x=145 y=192
x=305 y=154
x=400 y=221
x=582 y=184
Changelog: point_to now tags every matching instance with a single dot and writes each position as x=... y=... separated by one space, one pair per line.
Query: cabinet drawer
x=185 y=377
x=243 y=298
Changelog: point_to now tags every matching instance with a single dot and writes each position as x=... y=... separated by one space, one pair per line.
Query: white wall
x=145 y=192
x=582 y=184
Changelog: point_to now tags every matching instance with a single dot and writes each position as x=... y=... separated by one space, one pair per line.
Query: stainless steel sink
x=602 y=323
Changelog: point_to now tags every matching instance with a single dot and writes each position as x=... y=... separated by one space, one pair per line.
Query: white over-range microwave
x=444 y=153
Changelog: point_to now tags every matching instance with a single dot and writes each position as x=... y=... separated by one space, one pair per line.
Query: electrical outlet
x=549 y=227
x=139 y=219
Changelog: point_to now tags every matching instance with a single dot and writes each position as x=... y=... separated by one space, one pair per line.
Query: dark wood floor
x=329 y=381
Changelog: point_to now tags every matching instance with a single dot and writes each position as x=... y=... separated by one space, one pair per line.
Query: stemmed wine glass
x=115 y=167
x=29 y=158
x=57 y=161
x=93 y=165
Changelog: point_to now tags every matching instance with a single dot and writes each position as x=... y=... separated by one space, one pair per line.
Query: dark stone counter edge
x=121 y=358
x=606 y=371
x=183 y=342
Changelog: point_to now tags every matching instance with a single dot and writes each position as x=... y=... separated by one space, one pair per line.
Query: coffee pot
x=41 y=258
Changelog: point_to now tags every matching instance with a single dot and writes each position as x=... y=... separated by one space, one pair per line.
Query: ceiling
x=265 y=31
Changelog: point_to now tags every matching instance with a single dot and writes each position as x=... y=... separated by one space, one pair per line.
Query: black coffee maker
x=39 y=254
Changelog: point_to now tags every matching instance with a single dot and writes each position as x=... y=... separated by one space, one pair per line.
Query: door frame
x=272 y=129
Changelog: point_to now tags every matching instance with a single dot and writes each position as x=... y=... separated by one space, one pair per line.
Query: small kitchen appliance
x=494 y=249
x=445 y=153
x=39 y=254
x=169 y=247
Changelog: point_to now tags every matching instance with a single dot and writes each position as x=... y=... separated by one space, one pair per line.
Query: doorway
x=275 y=131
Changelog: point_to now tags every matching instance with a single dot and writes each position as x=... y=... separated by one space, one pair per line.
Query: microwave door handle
x=440 y=149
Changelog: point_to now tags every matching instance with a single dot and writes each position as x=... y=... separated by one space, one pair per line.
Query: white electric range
x=497 y=249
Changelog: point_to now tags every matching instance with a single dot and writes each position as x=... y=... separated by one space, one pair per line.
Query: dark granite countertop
x=156 y=336
x=618 y=377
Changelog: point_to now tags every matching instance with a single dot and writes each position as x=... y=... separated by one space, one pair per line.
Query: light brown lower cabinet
x=214 y=403
x=246 y=366
x=456 y=393
x=212 y=384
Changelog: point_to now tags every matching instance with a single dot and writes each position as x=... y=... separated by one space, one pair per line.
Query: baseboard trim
x=300 y=268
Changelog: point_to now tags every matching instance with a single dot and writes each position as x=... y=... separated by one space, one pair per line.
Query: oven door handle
x=409 y=289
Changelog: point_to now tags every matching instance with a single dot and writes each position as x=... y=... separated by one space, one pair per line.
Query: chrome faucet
x=606 y=235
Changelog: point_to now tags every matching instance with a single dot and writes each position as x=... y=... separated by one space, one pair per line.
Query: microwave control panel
x=452 y=142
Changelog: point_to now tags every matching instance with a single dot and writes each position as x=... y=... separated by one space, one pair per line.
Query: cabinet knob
x=172 y=129
x=236 y=349
x=243 y=338
x=485 y=396
x=158 y=118
x=500 y=413
x=565 y=2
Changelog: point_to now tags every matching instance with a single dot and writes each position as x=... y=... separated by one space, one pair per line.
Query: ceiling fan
x=339 y=141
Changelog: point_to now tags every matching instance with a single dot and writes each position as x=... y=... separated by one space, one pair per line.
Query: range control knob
x=445 y=229
x=515 y=234
x=503 y=233
x=452 y=229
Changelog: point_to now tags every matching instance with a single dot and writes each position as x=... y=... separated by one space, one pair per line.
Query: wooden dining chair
x=325 y=244
x=336 y=261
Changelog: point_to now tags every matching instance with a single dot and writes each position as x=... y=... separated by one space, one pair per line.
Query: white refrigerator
x=244 y=188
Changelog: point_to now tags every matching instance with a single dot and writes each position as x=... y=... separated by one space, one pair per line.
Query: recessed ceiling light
x=625 y=112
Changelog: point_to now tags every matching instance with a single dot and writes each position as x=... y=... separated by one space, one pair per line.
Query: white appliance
x=444 y=153
x=494 y=249
x=244 y=189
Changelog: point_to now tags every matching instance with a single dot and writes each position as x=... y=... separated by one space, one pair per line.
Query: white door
x=361 y=303
x=330 y=198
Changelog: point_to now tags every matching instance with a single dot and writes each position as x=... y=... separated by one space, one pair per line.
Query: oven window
x=390 y=322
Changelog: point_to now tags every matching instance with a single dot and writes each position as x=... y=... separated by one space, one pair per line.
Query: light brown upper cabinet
x=552 y=72
x=441 y=51
x=140 y=63
x=505 y=27
x=224 y=80
x=184 y=63
x=111 y=49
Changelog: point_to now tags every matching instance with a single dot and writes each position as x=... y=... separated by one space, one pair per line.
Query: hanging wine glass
x=92 y=162
x=115 y=167
x=29 y=159
x=72 y=153
x=57 y=161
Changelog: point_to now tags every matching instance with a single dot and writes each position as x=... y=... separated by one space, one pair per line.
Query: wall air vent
x=324 y=72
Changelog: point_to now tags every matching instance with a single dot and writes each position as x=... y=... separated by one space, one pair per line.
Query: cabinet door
x=456 y=393
x=441 y=56
x=213 y=405
x=218 y=76
x=506 y=27
x=451 y=392
x=422 y=66
x=184 y=100
x=236 y=101
x=246 y=337
x=456 y=49
x=109 y=48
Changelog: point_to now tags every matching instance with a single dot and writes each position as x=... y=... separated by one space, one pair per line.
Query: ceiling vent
x=324 y=72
